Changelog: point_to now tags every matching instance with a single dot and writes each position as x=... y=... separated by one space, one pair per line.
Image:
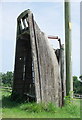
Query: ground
x=12 y=109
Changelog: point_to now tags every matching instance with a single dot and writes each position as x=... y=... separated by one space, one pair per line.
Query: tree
x=0 y=78
x=80 y=77
x=7 y=78
x=77 y=85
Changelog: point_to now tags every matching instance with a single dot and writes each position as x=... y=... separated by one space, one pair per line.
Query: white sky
x=50 y=18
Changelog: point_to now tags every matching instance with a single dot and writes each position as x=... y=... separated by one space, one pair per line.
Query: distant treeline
x=77 y=85
x=7 y=80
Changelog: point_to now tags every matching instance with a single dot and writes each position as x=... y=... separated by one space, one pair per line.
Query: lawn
x=12 y=109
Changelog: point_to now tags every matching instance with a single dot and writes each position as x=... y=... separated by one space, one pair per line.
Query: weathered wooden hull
x=46 y=84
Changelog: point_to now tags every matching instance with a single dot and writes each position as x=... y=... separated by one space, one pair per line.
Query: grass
x=12 y=109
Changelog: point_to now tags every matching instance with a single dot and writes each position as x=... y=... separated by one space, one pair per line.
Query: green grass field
x=12 y=109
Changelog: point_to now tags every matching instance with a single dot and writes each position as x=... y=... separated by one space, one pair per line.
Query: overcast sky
x=50 y=18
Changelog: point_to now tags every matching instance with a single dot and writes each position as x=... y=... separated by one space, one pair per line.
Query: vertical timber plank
x=34 y=58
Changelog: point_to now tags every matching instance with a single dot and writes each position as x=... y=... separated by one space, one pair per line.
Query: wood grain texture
x=49 y=81
x=48 y=66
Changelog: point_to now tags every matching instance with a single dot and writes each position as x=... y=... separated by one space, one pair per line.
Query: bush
x=40 y=107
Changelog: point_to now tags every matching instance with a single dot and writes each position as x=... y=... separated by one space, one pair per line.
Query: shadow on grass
x=7 y=102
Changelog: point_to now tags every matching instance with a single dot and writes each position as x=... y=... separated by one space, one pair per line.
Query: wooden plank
x=34 y=57
x=20 y=26
x=49 y=70
x=23 y=14
x=63 y=73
